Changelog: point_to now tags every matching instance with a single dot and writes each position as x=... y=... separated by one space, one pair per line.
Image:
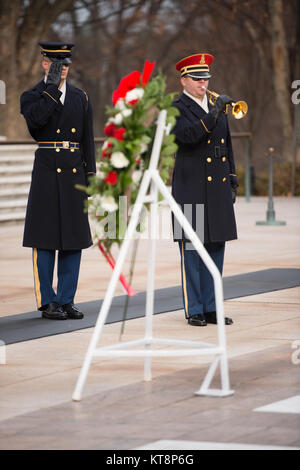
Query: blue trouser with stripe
x=197 y=282
x=68 y=264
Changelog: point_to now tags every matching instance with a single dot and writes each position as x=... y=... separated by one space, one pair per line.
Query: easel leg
x=150 y=282
x=111 y=287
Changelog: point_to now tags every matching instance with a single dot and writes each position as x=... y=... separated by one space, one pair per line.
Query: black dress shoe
x=53 y=311
x=197 y=320
x=211 y=317
x=72 y=311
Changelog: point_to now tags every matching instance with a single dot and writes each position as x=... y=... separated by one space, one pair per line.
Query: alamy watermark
x=115 y=223
x=2 y=92
x=295 y=358
x=2 y=352
x=296 y=94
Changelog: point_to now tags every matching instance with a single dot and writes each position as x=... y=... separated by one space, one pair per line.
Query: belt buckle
x=66 y=144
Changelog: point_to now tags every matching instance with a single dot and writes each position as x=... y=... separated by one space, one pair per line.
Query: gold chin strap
x=56 y=50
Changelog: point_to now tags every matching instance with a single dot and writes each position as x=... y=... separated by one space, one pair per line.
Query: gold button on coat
x=57 y=150
x=222 y=141
x=58 y=131
x=73 y=130
x=74 y=170
x=208 y=159
x=224 y=179
x=72 y=150
x=223 y=159
x=208 y=141
x=209 y=178
x=58 y=170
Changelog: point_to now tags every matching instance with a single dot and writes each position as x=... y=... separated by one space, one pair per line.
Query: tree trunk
x=22 y=26
x=281 y=76
x=9 y=15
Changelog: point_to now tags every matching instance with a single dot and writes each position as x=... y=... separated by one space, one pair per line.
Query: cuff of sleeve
x=53 y=92
x=208 y=122
x=233 y=180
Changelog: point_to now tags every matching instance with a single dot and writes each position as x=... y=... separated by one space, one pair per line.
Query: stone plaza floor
x=118 y=409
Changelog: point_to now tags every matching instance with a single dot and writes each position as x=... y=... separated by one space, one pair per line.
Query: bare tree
x=281 y=75
x=114 y=37
x=22 y=25
x=123 y=33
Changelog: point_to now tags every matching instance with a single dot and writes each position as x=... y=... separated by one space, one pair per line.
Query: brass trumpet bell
x=239 y=108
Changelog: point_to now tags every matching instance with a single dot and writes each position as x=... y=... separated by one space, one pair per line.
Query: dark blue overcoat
x=55 y=217
x=204 y=163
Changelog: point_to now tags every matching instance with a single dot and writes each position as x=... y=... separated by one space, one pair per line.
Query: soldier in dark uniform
x=59 y=118
x=204 y=177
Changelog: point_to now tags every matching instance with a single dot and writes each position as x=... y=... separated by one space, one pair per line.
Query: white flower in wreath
x=118 y=118
x=100 y=166
x=118 y=160
x=136 y=176
x=135 y=94
x=108 y=203
x=120 y=104
x=126 y=112
x=143 y=147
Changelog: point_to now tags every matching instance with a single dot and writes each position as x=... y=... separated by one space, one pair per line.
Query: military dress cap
x=196 y=65
x=57 y=51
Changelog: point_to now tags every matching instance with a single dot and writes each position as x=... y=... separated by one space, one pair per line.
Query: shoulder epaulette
x=84 y=92
x=86 y=95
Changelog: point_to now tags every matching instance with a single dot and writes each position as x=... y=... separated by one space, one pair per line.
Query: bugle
x=239 y=108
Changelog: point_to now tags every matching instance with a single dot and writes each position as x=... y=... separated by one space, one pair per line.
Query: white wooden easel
x=152 y=180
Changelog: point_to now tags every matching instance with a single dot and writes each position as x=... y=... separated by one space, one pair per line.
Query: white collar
x=63 y=89
x=203 y=103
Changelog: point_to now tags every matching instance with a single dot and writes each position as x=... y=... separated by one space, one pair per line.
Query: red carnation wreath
x=125 y=154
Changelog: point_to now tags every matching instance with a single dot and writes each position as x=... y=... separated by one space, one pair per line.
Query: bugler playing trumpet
x=204 y=182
